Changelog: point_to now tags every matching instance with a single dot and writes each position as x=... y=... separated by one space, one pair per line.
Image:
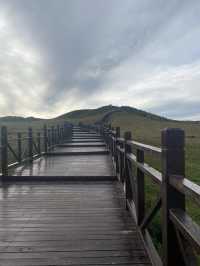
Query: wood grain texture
x=83 y=165
x=68 y=223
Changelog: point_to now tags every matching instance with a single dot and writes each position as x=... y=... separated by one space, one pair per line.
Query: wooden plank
x=84 y=140
x=68 y=223
x=53 y=178
x=82 y=165
x=77 y=153
x=82 y=145
x=80 y=149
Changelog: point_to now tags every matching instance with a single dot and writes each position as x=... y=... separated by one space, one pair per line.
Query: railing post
x=101 y=130
x=112 y=142
x=39 y=143
x=19 y=146
x=127 y=149
x=110 y=139
x=71 y=132
x=49 y=138
x=140 y=189
x=105 y=130
x=55 y=136
x=173 y=163
x=107 y=137
x=52 y=137
x=58 y=134
x=122 y=162
x=61 y=135
x=45 y=139
x=64 y=131
x=116 y=153
x=30 y=144
x=4 y=151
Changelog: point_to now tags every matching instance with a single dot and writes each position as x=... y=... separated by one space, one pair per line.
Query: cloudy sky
x=57 y=56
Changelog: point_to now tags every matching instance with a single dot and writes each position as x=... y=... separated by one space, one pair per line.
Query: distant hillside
x=105 y=113
x=18 y=119
x=145 y=126
x=78 y=114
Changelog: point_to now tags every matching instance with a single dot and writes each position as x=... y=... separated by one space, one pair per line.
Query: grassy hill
x=103 y=114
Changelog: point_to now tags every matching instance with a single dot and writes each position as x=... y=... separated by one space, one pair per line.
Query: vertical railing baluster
x=52 y=137
x=173 y=163
x=45 y=139
x=19 y=146
x=61 y=134
x=127 y=149
x=112 y=141
x=140 y=189
x=4 y=151
x=55 y=136
x=58 y=136
x=39 y=143
x=71 y=132
x=122 y=160
x=30 y=144
x=116 y=151
x=49 y=139
x=65 y=131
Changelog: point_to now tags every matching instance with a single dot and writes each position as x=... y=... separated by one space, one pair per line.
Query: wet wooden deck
x=77 y=220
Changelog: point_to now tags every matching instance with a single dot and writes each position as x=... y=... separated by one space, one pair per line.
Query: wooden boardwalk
x=79 y=218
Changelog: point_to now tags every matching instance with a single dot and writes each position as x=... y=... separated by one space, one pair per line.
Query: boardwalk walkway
x=77 y=219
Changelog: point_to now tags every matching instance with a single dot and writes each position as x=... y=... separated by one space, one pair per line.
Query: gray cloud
x=59 y=55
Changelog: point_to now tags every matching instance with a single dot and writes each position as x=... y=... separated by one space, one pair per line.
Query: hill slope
x=14 y=119
x=105 y=113
x=144 y=126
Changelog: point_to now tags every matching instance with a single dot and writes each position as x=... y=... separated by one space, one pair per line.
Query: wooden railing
x=25 y=147
x=180 y=234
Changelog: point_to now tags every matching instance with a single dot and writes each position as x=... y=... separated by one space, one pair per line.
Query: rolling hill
x=104 y=114
x=14 y=119
x=145 y=126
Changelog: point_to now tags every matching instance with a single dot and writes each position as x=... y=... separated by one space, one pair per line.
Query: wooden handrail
x=177 y=226
x=186 y=187
x=147 y=169
x=146 y=148
x=37 y=144
x=142 y=146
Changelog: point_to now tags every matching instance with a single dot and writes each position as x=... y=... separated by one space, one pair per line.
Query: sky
x=58 y=56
